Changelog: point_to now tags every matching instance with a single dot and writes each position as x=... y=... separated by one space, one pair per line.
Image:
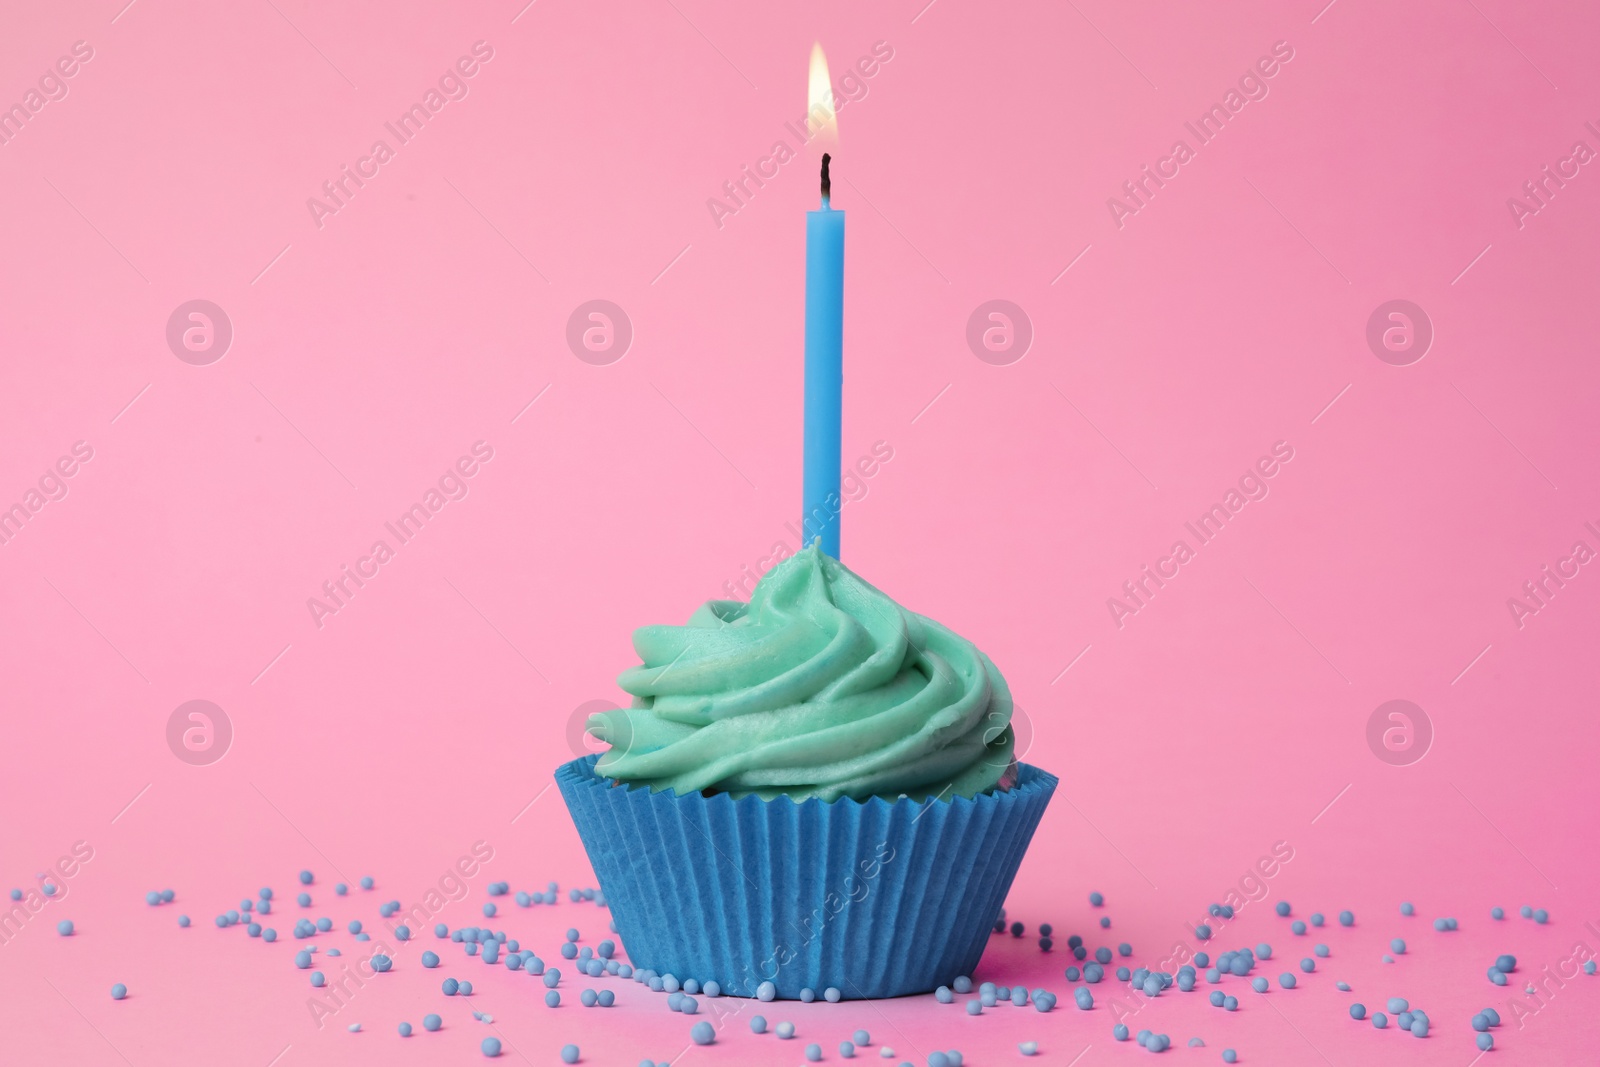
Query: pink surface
x=1172 y=347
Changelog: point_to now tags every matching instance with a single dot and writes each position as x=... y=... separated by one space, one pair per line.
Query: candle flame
x=821 y=118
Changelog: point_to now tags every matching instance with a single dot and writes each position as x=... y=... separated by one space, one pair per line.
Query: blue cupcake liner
x=874 y=898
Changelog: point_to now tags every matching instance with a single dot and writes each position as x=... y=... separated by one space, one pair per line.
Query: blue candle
x=821 y=502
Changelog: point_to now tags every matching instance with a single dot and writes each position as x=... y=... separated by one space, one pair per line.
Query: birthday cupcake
x=816 y=790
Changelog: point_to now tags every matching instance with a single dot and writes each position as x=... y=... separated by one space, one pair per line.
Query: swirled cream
x=820 y=687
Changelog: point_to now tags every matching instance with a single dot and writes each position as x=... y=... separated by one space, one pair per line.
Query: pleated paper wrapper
x=874 y=898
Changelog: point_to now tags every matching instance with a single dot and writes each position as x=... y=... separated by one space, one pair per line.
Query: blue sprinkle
x=1379 y=1020
x=588 y=998
x=1216 y=998
x=758 y=1025
x=431 y=1022
x=1203 y=932
x=1259 y=984
x=1321 y=950
x=1308 y=965
x=1358 y=1011
x=304 y=900
x=1028 y=1048
x=305 y=877
x=340 y=889
x=1213 y=975
x=1480 y=1022
x=1497 y=913
x=1229 y=1056
x=1441 y=924
x=785 y=1031
x=441 y=930
x=1485 y=1042
x=489 y=908
x=552 y=999
x=1406 y=909
x=569 y=1053
x=1286 y=980
x=119 y=991
x=152 y=898
x=1195 y=1042
x=491 y=1047
x=183 y=920
x=1541 y=916
x=1084 y=998
x=325 y=924
x=318 y=980
x=1120 y=1032
x=1398 y=945
x=1419 y=1026
x=381 y=963
x=1588 y=967
x=1105 y=922
x=366 y=882
x=302 y=959
x=354 y=1028
x=974 y=1007
x=266 y=893
x=402 y=932
x=405 y=1029
x=1096 y=899
x=831 y=994
x=269 y=935
x=450 y=986
x=1281 y=907
x=1347 y=918
x=1343 y=987
x=766 y=991
x=814 y=1054
x=1317 y=919
x=1397 y=1004
x=264 y=908
x=551 y=977
x=1497 y=977
x=355 y=926
x=703 y=1033
x=1230 y=1003
x=607 y=998
x=847 y=1049
x=1298 y=927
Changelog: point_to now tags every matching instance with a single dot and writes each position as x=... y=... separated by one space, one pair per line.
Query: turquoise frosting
x=821 y=686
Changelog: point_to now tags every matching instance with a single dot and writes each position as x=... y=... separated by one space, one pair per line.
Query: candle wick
x=827 y=185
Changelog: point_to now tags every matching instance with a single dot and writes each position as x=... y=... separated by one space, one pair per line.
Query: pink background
x=368 y=354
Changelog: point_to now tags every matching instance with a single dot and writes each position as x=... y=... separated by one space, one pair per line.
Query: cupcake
x=816 y=790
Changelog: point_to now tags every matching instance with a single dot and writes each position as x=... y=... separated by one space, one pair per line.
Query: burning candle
x=824 y=339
